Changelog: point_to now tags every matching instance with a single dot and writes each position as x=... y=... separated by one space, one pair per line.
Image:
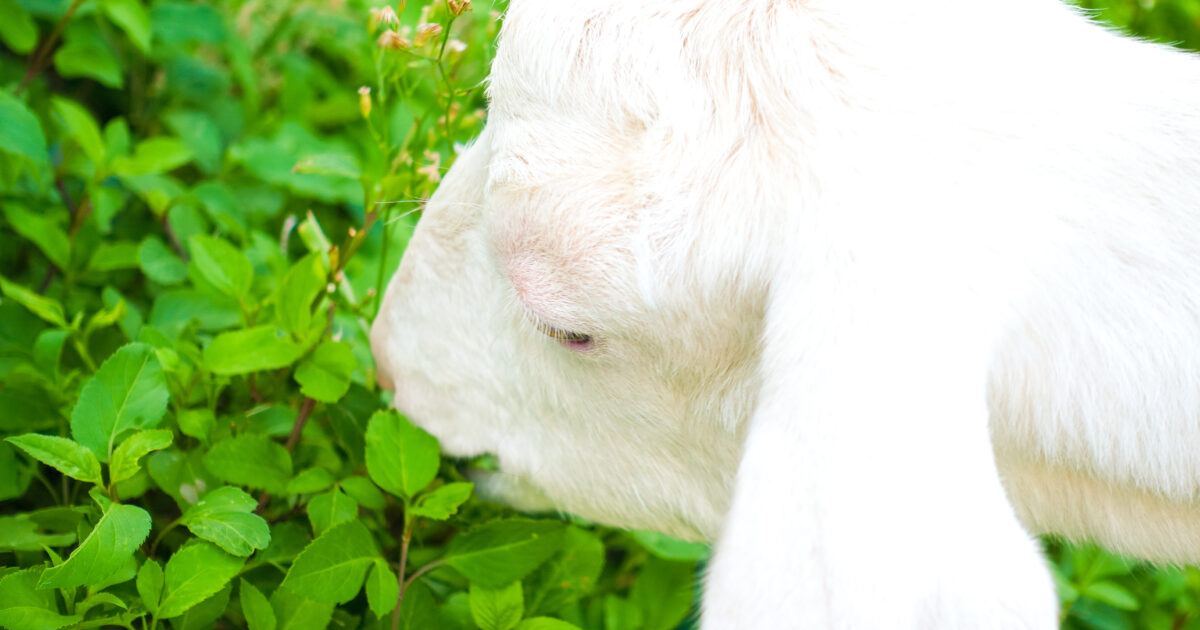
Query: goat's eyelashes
x=573 y=339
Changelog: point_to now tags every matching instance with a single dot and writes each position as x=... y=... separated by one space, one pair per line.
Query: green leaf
x=443 y=502
x=325 y=375
x=665 y=592
x=150 y=585
x=99 y=599
x=332 y=567
x=501 y=552
x=335 y=164
x=62 y=454
x=41 y=230
x=255 y=608
x=364 y=492
x=569 y=575
x=251 y=460
x=226 y=517
x=106 y=549
x=669 y=548
x=80 y=127
x=497 y=609
x=310 y=481
x=131 y=16
x=383 y=589
x=251 y=350
x=221 y=264
x=193 y=574
x=17 y=29
x=303 y=282
x=128 y=392
x=45 y=308
x=197 y=423
x=1112 y=594
x=19 y=533
x=87 y=54
x=330 y=508
x=159 y=263
x=125 y=459
x=30 y=618
x=202 y=137
x=296 y=612
x=20 y=131
x=545 y=623
x=203 y=616
x=153 y=156
x=401 y=458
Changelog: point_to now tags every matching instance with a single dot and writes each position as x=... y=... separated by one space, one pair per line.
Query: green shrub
x=200 y=204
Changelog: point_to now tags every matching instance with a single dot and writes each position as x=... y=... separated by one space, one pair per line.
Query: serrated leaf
x=150 y=585
x=303 y=282
x=127 y=392
x=497 y=609
x=79 y=125
x=226 y=517
x=401 y=458
x=251 y=350
x=99 y=599
x=222 y=265
x=255 y=608
x=30 y=618
x=106 y=549
x=197 y=423
x=325 y=375
x=203 y=616
x=125 y=458
x=20 y=131
x=443 y=502
x=383 y=589
x=501 y=552
x=251 y=460
x=296 y=612
x=330 y=508
x=45 y=308
x=193 y=574
x=65 y=456
x=332 y=567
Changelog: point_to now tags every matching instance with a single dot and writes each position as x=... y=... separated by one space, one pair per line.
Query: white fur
x=878 y=290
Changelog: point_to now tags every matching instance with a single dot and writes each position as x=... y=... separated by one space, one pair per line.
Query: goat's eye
x=568 y=338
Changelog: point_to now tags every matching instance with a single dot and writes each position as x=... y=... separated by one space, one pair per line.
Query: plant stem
x=38 y=60
x=404 y=541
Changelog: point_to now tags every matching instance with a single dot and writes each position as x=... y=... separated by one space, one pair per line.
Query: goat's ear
x=868 y=496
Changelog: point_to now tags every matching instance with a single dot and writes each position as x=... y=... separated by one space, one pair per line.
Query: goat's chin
x=514 y=491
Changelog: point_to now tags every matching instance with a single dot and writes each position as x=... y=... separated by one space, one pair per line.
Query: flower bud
x=388 y=17
x=426 y=32
x=391 y=40
x=364 y=101
x=458 y=7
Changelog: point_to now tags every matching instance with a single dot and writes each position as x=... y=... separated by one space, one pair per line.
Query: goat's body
x=865 y=280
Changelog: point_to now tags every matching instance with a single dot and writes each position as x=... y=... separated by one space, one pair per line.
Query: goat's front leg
x=868 y=496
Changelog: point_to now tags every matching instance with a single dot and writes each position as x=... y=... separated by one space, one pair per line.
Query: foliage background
x=199 y=207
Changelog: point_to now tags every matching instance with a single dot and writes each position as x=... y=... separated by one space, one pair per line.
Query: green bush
x=200 y=204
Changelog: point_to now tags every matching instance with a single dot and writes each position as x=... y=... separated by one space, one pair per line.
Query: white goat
x=866 y=292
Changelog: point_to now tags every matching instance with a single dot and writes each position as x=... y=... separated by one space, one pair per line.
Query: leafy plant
x=200 y=203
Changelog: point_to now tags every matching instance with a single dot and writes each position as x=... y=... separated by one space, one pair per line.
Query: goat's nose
x=379 y=350
x=384 y=378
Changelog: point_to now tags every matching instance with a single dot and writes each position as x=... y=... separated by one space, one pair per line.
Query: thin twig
x=38 y=60
x=404 y=541
x=293 y=439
